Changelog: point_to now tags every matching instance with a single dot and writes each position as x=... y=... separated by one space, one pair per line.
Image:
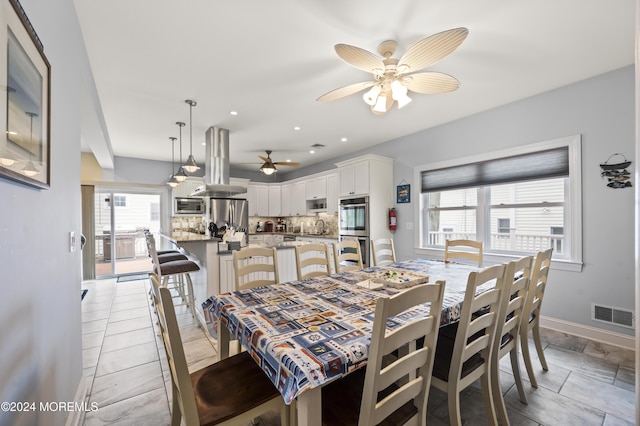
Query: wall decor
x=616 y=172
x=403 y=193
x=25 y=72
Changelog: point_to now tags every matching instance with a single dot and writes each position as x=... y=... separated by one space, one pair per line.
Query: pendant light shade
x=181 y=175
x=191 y=165
x=172 y=182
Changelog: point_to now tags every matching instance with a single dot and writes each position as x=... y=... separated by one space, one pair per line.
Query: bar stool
x=174 y=274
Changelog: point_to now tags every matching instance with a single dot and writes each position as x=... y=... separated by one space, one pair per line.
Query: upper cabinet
x=298 y=202
x=332 y=193
x=275 y=201
x=354 y=179
x=258 y=197
x=187 y=187
x=316 y=188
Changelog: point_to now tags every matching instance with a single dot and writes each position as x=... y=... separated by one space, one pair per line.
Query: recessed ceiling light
x=343 y=139
x=296 y=128
x=234 y=113
x=312 y=152
x=204 y=144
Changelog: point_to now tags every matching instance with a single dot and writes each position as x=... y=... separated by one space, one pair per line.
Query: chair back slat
x=312 y=260
x=347 y=256
x=382 y=252
x=255 y=267
x=463 y=249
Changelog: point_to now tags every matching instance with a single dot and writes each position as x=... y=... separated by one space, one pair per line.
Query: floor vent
x=611 y=315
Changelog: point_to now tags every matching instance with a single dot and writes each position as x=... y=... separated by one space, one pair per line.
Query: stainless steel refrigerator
x=228 y=213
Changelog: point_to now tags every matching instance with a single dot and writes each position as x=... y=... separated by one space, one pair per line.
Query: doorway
x=120 y=219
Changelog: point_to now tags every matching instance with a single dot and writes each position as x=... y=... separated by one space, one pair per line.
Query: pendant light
x=191 y=165
x=173 y=182
x=30 y=169
x=181 y=175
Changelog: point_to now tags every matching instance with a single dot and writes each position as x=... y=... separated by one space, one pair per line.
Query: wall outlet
x=72 y=241
x=409 y=225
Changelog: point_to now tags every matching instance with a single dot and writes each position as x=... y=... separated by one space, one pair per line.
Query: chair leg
x=498 y=399
x=538 y=342
x=487 y=397
x=190 y=298
x=453 y=401
x=176 y=415
x=515 y=367
x=526 y=355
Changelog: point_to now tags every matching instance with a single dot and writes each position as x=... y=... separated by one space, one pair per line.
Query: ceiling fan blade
x=430 y=82
x=359 y=58
x=345 y=91
x=430 y=50
x=287 y=163
x=263 y=158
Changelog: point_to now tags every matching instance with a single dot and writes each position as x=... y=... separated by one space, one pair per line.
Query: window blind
x=531 y=166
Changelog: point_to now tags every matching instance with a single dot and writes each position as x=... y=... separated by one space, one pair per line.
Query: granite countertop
x=185 y=236
x=297 y=234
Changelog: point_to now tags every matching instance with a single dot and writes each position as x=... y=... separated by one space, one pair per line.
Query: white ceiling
x=270 y=60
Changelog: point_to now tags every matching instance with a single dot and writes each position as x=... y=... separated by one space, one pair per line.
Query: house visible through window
x=120 y=201
x=504 y=226
x=154 y=210
x=518 y=202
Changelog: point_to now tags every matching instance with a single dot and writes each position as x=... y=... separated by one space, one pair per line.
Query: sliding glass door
x=119 y=224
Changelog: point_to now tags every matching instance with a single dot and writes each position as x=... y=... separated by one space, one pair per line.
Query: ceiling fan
x=269 y=166
x=394 y=77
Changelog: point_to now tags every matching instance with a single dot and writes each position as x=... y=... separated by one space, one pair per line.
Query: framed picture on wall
x=24 y=113
x=403 y=194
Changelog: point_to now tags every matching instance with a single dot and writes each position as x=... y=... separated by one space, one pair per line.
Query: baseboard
x=76 y=417
x=592 y=333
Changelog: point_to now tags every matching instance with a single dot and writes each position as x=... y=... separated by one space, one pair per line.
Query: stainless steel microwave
x=194 y=206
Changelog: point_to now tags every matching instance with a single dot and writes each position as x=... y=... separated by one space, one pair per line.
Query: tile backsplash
x=297 y=224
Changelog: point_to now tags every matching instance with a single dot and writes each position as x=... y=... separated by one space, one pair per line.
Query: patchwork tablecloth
x=307 y=333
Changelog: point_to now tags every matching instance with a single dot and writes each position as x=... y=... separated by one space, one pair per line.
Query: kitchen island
x=216 y=274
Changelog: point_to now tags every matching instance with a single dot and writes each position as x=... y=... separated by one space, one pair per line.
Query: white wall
x=40 y=337
x=601 y=109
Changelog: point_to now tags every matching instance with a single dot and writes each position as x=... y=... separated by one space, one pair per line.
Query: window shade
x=536 y=165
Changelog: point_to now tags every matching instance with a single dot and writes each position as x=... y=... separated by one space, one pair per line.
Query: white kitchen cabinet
x=332 y=193
x=275 y=201
x=316 y=188
x=256 y=239
x=285 y=199
x=187 y=187
x=258 y=197
x=298 y=202
x=354 y=179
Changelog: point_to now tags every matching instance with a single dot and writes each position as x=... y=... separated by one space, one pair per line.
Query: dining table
x=307 y=333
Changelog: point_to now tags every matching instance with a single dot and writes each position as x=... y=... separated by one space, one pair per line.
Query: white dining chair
x=463 y=249
x=312 y=260
x=347 y=256
x=466 y=358
x=394 y=393
x=255 y=267
x=507 y=339
x=233 y=391
x=531 y=313
x=382 y=252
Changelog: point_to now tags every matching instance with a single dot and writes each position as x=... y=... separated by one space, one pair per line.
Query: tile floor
x=588 y=383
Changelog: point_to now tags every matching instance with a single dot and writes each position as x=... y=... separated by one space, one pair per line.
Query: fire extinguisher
x=392 y=219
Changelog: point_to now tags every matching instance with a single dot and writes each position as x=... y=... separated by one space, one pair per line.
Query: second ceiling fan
x=393 y=78
x=269 y=166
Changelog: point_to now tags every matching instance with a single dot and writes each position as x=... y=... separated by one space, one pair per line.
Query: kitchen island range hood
x=216 y=175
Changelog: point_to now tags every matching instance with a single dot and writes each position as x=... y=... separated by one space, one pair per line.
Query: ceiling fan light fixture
x=268 y=168
x=371 y=96
x=399 y=93
x=381 y=103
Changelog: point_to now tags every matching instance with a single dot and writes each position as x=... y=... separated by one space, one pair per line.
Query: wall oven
x=354 y=216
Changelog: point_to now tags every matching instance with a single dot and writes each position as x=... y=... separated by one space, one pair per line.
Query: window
x=154 y=212
x=119 y=201
x=504 y=226
x=517 y=202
